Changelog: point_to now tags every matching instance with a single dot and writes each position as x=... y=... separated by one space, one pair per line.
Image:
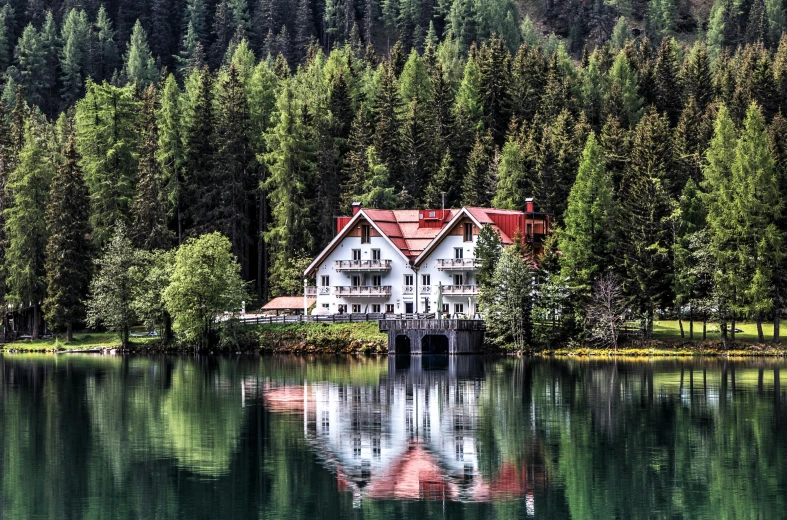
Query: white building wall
x=395 y=277
x=445 y=250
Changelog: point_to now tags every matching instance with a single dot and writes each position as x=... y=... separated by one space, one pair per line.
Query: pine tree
x=625 y=79
x=587 y=239
x=478 y=188
x=197 y=16
x=516 y=162
x=6 y=39
x=31 y=57
x=192 y=55
x=355 y=162
x=304 y=29
x=223 y=29
x=690 y=140
x=150 y=208
x=386 y=118
x=488 y=248
x=104 y=56
x=528 y=81
x=169 y=150
x=507 y=305
x=697 y=76
x=667 y=87
x=616 y=142
x=441 y=190
x=378 y=192
x=140 y=67
x=73 y=56
x=25 y=223
x=777 y=140
x=50 y=44
x=415 y=160
x=494 y=71
x=68 y=247
x=556 y=162
x=291 y=165
x=163 y=38
x=106 y=120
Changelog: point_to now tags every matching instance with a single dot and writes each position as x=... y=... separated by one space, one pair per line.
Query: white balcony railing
x=363 y=265
x=464 y=264
x=362 y=290
x=426 y=289
x=324 y=290
x=408 y=289
x=310 y=291
x=460 y=290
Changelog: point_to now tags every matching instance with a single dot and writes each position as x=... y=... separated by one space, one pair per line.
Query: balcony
x=460 y=290
x=457 y=264
x=310 y=291
x=425 y=289
x=369 y=266
x=362 y=291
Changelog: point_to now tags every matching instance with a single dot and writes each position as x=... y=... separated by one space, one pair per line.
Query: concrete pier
x=417 y=336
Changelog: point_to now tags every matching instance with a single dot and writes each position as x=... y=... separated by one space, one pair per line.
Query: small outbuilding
x=287 y=305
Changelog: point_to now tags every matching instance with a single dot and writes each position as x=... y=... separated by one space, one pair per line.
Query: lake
x=370 y=437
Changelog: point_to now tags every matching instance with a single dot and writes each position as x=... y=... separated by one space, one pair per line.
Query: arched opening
x=435 y=344
x=402 y=345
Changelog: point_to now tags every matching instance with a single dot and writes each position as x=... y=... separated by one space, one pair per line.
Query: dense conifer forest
x=652 y=130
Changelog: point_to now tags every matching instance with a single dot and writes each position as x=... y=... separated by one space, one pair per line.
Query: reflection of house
x=386 y=261
x=412 y=437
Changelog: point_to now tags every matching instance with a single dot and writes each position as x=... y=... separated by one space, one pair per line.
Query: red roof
x=285 y=303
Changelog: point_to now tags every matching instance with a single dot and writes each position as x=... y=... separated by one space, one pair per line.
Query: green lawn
x=80 y=342
x=670 y=330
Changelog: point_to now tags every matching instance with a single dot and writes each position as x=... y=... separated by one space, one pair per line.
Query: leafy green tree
x=110 y=301
x=205 y=282
x=25 y=222
x=67 y=254
x=587 y=239
x=151 y=276
x=106 y=130
x=140 y=67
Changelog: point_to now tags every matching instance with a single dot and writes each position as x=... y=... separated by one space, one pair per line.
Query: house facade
x=397 y=261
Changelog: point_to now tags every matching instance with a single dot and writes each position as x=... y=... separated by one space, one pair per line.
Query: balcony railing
x=363 y=265
x=324 y=290
x=460 y=290
x=464 y=264
x=425 y=289
x=310 y=291
x=408 y=289
x=362 y=290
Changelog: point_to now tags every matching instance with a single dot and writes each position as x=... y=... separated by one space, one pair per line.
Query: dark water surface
x=469 y=438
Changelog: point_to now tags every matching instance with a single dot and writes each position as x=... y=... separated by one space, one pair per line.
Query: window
x=459 y=279
x=459 y=308
x=432 y=214
x=408 y=280
x=326 y=305
x=446 y=308
x=375 y=254
x=366 y=234
x=426 y=279
x=325 y=281
x=356 y=281
x=376 y=307
x=356 y=308
x=389 y=308
x=356 y=254
x=468 y=232
x=459 y=253
x=377 y=281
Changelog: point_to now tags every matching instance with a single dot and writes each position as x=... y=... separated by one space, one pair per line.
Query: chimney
x=356 y=208
x=529 y=205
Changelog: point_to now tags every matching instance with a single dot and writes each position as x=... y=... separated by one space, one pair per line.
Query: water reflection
x=357 y=437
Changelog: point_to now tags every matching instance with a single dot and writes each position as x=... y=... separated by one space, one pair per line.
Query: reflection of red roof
x=415 y=476
x=284 y=399
x=287 y=303
x=510 y=483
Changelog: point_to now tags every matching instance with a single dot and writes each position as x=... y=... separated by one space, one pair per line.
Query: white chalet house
x=389 y=261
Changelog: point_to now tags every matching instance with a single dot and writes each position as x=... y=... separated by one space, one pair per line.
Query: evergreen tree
x=386 y=118
x=556 y=162
x=25 y=223
x=106 y=122
x=67 y=253
x=31 y=57
x=378 y=192
x=150 y=207
x=494 y=71
x=223 y=29
x=616 y=142
x=163 y=38
x=667 y=87
x=50 y=44
x=507 y=306
x=488 y=248
x=516 y=163
x=104 y=57
x=625 y=79
x=587 y=239
x=304 y=28
x=690 y=141
x=777 y=140
x=415 y=162
x=169 y=150
x=355 y=163
x=478 y=188
x=442 y=188
x=528 y=81
x=192 y=54
x=697 y=76
x=140 y=67
x=73 y=56
x=197 y=16
x=6 y=39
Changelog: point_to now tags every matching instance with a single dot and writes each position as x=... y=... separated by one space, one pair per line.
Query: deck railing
x=362 y=290
x=363 y=265
x=443 y=264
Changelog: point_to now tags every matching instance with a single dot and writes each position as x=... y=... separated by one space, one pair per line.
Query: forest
x=653 y=131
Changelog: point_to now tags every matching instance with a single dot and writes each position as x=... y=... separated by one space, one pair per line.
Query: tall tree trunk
x=69 y=332
x=36 y=322
x=760 y=335
x=680 y=323
x=691 y=322
x=724 y=334
x=777 y=322
x=732 y=328
x=705 y=326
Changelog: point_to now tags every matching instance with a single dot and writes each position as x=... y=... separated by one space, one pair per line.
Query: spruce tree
x=627 y=82
x=150 y=208
x=587 y=239
x=516 y=163
x=67 y=253
x=106 y=123
x=494 y=71
x=528 y=80
x=667 y=87
x=104 y=56
x=386 y=118
x=415 y=160
x=355 y=163
x=73 y=56
x=697 y=76
x=377 y=186
x=140 y=67
x=304 y=29
x=478 y=187
x=31 y=57
x=442 y=187
x=169 y=150
x=25 y=222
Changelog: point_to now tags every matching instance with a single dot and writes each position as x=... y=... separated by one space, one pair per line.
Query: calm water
x=296 y=437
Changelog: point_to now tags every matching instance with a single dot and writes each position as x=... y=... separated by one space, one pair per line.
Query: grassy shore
x=82 y=342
